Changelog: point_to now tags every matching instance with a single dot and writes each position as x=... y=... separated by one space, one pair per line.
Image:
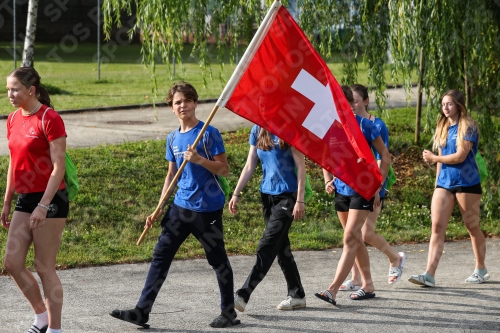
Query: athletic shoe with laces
x=291 y=303
x=239 y=303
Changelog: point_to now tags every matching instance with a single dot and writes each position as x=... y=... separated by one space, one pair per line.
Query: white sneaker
x=291 y=303
x=239 y=303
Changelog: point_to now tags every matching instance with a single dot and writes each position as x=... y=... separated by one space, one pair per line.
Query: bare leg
x=363 y=262
x=352 y=234
x=469 y=205
x=442 y=205
x=355 y=273
x=379 y=242
x=18 y=243
x=46 y=241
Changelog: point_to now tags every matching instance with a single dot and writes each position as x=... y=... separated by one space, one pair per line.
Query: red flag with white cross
x=283 y=85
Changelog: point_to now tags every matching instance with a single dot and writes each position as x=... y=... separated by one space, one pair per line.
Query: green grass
x=121 y=185
x=73 y=76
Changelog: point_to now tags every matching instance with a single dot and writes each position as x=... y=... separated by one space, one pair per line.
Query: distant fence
x=69 y=30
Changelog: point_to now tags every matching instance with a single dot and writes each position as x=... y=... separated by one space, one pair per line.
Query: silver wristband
x=43 y=206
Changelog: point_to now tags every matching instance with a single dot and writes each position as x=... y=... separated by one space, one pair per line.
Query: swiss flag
x=287 y=88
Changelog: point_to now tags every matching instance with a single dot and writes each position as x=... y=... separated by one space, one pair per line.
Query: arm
x=7 y=203
x=384 y=164
x=329 y=179
x=218 y=166
x=58 y=157
x=438 y=168
x=245 y=176
x=298 y=209
x=455 y=158
x=172 y=170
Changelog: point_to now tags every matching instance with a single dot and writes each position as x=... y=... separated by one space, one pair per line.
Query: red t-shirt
x=29 y=148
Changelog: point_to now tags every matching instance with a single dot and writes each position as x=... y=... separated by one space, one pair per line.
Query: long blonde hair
x=466 y=124
x=265 y=141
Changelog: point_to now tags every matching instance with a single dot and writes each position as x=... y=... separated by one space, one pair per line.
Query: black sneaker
x=223 y=321
x=135 y=316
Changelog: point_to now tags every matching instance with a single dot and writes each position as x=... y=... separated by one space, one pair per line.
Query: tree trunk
x=466 y=78
x=418 y=113
x=29 y=40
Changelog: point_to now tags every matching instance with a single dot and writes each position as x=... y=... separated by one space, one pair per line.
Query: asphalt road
x=189 y=300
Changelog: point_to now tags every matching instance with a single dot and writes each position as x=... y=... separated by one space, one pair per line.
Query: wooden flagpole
x=221 y=102
x=173 y=183
x=247 y=57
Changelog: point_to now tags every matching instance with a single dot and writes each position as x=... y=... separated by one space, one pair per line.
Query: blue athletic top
x=462 y=174
x=370 y=133
x=384 y=134
x=278 y=167
x=198 y=189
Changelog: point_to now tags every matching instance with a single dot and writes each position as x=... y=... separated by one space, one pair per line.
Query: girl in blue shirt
x=196 y=208
x=353 y=210
x=370 y=236
x=282 y=193
x=457 y=181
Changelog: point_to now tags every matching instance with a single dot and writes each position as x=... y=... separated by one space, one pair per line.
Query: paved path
x=189 y=299
x=88 y=129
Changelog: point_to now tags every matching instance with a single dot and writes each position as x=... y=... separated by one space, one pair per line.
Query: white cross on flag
x=284 y=86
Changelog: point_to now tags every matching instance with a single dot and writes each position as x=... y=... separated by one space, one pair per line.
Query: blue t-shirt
x=370 y=133
x=278 y=167
x=462 y=174
x=198 y=189
x=384 y=135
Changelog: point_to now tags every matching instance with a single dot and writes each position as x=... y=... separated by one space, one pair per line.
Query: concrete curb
x=161 y=104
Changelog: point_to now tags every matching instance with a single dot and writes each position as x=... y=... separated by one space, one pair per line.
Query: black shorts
x=343 y=203
x=474 y=189
x=59 y=206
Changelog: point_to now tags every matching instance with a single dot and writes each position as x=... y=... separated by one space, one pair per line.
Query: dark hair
x=361 y=90
x=348 y=93
x=183 y=87
x=29 y=77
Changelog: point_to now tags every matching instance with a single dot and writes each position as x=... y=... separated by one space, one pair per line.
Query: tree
x=460 y=48
x=29 y=40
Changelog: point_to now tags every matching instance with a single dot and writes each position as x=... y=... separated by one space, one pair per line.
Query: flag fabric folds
x=284 y=86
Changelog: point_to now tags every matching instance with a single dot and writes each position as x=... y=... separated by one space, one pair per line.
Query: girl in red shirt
x=37 y=144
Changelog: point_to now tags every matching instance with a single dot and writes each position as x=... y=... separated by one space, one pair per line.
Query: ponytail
x=43 y=96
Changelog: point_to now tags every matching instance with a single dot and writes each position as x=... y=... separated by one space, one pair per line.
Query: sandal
x=361 y=294
x=397 y=271
x=34 y=329
x=477 y=278
x=326 y=296
x=349 y=286
x=420 y=280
